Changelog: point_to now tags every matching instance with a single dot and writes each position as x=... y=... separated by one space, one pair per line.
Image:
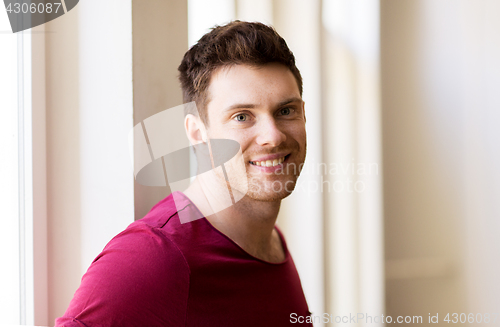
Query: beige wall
x=160 y=39
x=439 y=64
x=423 y=148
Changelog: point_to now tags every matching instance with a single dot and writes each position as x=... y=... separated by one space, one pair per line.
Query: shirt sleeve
x=140 y=278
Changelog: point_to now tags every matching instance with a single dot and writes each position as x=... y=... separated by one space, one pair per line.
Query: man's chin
x=276 y=191
x=267 y=197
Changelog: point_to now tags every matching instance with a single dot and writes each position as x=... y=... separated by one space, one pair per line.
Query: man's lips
x=271 y=156
x=270 y=161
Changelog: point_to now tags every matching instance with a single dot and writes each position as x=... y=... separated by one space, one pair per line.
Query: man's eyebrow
x=288 y=101
x=250 y=105
x=240 y=105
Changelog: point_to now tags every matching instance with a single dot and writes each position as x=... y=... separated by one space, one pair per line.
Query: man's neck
x=248 y=222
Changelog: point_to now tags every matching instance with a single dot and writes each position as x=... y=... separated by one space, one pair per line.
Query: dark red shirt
x=159 y=272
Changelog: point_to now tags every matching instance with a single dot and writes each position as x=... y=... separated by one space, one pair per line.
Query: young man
x=195 y=260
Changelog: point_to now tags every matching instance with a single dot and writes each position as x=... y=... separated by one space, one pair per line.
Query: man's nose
x=269 y=133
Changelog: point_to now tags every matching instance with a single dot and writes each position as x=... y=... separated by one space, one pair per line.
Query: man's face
x=261 y=108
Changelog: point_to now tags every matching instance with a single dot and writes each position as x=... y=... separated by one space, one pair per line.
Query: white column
x=255 y=11
x=352 y=134
x=89 y=114
x=205 y=14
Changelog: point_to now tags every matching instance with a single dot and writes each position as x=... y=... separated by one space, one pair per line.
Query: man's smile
x=270 y=163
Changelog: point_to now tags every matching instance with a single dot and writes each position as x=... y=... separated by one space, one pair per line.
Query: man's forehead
x=230 y=71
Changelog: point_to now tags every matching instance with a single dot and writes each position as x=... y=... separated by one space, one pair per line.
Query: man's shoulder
x=151 y=233
x=170 y=213
x=160 y=213
x=148 y=242
x=162 y=229
x=132 y=275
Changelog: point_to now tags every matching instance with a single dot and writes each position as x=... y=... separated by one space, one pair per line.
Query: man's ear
x=195 y=129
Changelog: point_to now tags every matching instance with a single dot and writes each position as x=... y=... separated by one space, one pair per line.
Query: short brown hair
x=235 y=43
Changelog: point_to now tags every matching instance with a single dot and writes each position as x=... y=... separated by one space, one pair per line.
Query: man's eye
x=285 y=111
x=241 y=117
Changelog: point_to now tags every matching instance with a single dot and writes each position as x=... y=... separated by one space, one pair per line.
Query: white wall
x=481 y=102
x=9 y=174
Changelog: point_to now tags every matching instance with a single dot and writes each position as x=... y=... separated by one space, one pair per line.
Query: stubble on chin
x=269 y=191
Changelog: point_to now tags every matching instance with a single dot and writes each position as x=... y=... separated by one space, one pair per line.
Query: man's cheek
x=237 y=176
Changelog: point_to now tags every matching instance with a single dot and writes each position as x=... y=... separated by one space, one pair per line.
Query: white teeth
x=269 y=163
